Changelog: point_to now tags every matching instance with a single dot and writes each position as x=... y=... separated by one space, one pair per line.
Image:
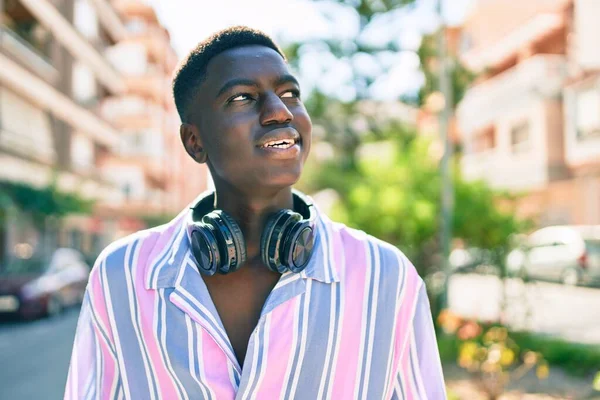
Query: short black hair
x=192 y=70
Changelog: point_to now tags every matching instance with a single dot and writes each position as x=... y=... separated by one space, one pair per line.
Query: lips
x=281 y=138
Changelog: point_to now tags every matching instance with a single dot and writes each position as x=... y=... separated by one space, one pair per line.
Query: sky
x=190 y=21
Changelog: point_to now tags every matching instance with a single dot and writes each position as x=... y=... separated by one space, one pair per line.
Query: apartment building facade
x=151 y=169
x=530 y=123
x=61 y=65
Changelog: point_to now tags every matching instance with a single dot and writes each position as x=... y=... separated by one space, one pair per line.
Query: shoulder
x=357 y=250
x=128 y=255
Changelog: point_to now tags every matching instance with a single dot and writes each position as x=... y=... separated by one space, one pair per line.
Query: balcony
x=157 y=43
x=11 y=43
x=517 y=34
x=151 y=167
x=538 y=77
x=130 y=112
x=501 y=170
x=64 y=32
x=153 y=86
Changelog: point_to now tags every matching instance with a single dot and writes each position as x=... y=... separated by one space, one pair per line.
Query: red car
x=33 y=289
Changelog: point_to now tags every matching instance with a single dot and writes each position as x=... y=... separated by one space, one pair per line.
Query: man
x=252 y=293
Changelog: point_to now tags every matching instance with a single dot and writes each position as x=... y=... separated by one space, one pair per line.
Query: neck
x=251 y=210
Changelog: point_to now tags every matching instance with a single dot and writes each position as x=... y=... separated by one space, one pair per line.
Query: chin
x=281 y=179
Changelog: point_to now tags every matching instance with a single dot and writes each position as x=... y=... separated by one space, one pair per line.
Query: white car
x=569 y=254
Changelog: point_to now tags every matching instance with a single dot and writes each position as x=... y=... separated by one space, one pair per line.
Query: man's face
x=252 y=124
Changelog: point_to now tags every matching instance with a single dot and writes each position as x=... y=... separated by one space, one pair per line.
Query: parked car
x=567 y=254
x=473 y=260
x=30 y=288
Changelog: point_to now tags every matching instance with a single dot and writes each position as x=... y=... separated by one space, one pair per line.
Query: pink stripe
x=279 y=350
x=98 y=306
x=215 y=365
x=108 y=372
x=406 y=373
x=146 y=302
x=404 y=323
x=159 y=244
x=353 y=287
x=165 y=237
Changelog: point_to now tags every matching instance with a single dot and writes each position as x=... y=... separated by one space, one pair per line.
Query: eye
x=291 y=94
x=240 y=97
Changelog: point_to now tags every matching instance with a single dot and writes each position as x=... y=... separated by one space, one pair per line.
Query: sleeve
x=420 y=373
x=93 y=371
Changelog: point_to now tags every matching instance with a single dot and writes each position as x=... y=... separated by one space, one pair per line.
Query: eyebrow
x=287 y=78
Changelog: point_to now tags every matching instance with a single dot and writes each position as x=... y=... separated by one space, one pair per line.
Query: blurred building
x=151 y=169
x=531 y=121
x=85 y=103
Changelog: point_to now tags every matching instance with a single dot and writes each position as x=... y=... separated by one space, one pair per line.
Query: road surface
x=572 y=313
x=34 y=357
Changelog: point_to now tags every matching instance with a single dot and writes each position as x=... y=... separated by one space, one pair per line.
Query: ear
x=190 y=137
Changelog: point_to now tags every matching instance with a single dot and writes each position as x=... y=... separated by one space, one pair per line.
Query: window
x=466 y=42
x=126 y=191
x=588 y=114
x=82 y=152
x=84 y=84
x=85 y=19
x=519 y=137
x=483 y=140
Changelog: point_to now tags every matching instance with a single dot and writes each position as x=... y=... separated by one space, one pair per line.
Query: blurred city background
x=466 y=132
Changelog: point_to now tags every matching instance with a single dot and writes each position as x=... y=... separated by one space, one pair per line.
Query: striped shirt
x=355 y=324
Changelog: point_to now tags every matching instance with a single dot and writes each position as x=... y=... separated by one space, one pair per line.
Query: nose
x=274 y=111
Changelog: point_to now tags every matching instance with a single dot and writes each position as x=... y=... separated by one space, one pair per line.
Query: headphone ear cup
x=229 y=240
x=205 y=250
x=298 y=246
x=238 y=242
x=272 y=239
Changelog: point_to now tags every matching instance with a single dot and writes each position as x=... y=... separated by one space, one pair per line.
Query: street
x=572 y=313
x=34 y=357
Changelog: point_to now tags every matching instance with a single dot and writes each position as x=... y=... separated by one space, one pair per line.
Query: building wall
x=558 y=172
x=48 y=123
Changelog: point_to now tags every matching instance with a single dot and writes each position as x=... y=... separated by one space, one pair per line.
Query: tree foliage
x=460 y=76
x=42 y=202
x=394 y=194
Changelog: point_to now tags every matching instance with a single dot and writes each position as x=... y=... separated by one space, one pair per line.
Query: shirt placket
x=289 y=286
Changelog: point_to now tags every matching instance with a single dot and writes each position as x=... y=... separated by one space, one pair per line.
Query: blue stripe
x=260 y=342
x=205 y=318
x=327 y=248
x=368 y=324
x=104 y=335
x=136 y=312
x=390 y=284
x=132 y=350
x=314 y=364
x=297 y=352
x=196 y=361
x=177 y=346
x=163 y=257
x=161 y=330
x=336 y=335
x=118 y=388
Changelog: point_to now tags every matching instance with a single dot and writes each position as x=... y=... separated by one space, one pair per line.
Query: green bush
x=574 y=358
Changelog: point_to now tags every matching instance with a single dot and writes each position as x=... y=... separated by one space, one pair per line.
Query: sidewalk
x=559 y=385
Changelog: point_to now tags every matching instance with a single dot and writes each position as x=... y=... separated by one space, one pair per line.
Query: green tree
x=394 y=194
x=352 y=51
x=460 y=76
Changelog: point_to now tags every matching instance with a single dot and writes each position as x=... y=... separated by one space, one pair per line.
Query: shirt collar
x=172 y=248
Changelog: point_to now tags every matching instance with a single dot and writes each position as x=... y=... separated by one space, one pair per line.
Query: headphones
x=217 y=243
